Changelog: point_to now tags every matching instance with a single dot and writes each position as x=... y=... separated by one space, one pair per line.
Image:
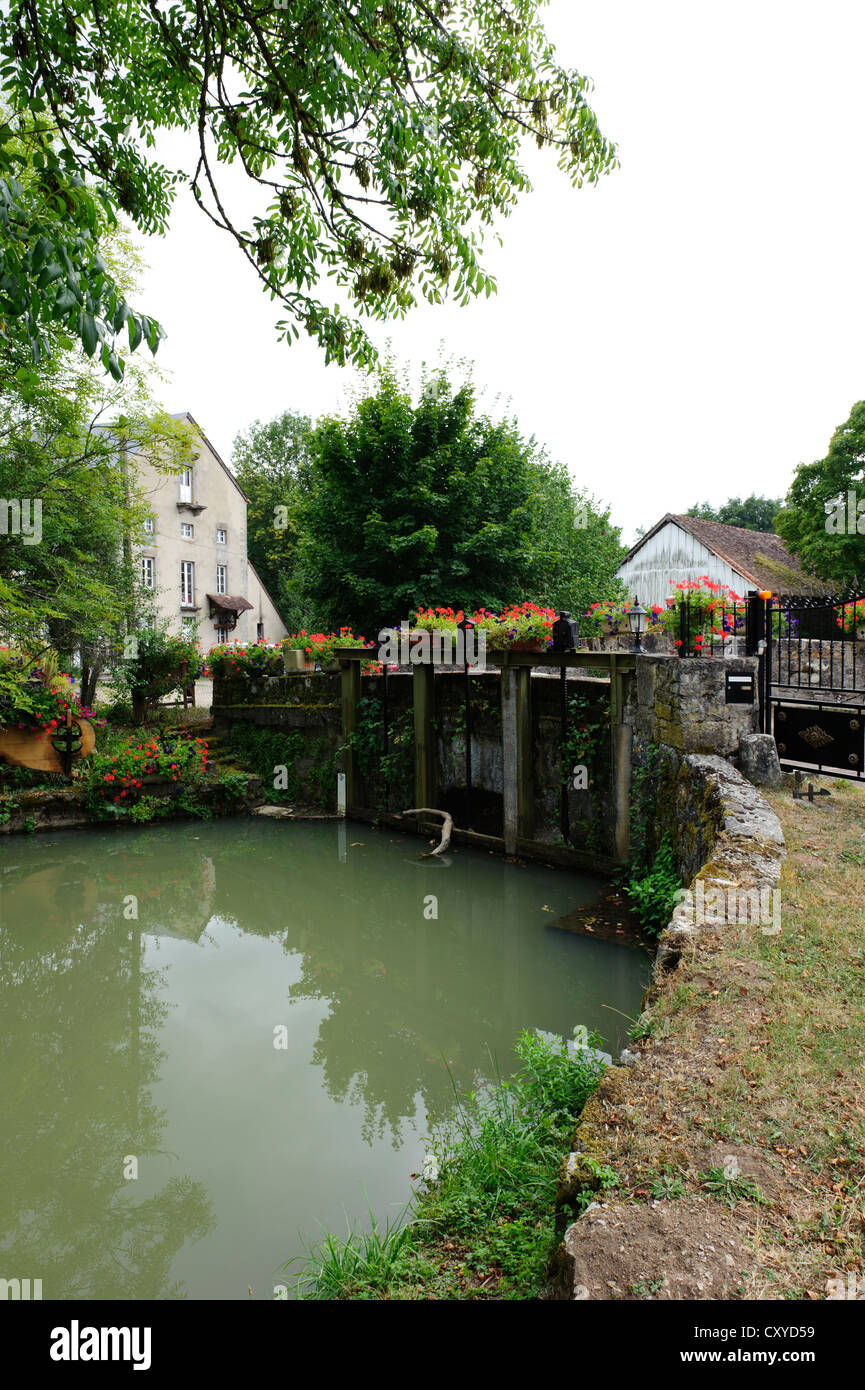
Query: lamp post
x=636 y=615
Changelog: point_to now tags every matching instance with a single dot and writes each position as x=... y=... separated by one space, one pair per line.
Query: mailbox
x=740 y=689
x=565 y=633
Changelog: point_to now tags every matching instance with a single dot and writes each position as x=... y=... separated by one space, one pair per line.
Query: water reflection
x=79 y=1022
x=141 y=977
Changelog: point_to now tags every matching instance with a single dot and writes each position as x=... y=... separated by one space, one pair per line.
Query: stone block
x=758 y=760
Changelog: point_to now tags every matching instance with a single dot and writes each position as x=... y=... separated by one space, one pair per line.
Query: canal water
x=221 y=1040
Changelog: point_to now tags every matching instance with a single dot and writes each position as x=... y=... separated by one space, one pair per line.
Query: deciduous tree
x=823 y=517
x=380 y=142
x=404 y=504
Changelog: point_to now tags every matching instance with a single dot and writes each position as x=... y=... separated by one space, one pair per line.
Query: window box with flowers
x=519 y=627
x=609 y=618
x=309 y=651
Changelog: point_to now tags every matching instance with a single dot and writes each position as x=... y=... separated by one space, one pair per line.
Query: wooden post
x=525 y=780
x=620 y=747
x=510 y=758
x=424 y=736
x=349 y=695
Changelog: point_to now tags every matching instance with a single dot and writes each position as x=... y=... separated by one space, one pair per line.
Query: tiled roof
x=759 y=556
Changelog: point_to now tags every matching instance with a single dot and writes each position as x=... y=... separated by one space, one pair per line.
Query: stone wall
x=676 y=705
x=681 y=704
x=28 y=809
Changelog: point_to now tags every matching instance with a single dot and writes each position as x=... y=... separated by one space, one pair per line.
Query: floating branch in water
x=447 y=828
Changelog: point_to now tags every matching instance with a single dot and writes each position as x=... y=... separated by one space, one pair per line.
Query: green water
x=158 y=1040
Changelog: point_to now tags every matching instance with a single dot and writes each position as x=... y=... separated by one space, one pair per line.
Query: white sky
x=690 y=328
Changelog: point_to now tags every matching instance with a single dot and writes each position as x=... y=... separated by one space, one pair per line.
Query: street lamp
x=636 y=614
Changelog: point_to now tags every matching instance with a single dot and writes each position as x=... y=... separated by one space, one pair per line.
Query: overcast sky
x=690 y=328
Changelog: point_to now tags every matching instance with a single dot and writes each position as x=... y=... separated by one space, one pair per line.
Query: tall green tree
x=753 y=513
x=70 y=505
x=823 y=517
x=404 y=504
x=385 y=139
x=267 y=459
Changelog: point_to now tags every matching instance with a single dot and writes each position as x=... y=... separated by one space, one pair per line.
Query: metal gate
x=812 y=677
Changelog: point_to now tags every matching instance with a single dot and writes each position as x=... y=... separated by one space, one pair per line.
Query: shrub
x=156 y=663
x=491 y=1186
x=114 y=780
x=653 y=894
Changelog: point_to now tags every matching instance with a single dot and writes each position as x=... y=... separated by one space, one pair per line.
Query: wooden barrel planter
x=34 y=748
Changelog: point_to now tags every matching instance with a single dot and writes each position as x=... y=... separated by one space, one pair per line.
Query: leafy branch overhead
x=379 y=141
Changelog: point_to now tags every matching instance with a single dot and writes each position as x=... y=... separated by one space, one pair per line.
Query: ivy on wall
x=587 y=744
x=310 y=763
x=393 y=769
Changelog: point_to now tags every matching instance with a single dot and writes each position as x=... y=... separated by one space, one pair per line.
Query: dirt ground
x=738 y=1139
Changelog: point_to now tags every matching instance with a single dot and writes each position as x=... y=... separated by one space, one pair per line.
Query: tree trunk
x=139 y=706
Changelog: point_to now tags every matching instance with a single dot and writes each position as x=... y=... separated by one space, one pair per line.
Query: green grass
x=484 y=1225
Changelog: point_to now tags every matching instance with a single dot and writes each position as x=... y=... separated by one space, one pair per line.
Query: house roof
x=230 y=603
x=759 y=556
x=185 y=415
x=266 y=591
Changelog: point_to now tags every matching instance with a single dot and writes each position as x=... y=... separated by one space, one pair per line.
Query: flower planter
x=33 y=749
x=296 y=661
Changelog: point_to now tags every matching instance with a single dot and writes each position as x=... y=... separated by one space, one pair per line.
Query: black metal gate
x=812 y=678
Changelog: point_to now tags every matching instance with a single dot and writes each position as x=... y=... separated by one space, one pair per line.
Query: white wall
x=674 y=554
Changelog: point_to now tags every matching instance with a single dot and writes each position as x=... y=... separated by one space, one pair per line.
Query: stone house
x=193 y=551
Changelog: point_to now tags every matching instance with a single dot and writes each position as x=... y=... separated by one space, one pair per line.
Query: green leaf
x=89 y=334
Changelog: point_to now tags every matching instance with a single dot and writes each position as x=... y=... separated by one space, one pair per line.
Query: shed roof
x=759 y=556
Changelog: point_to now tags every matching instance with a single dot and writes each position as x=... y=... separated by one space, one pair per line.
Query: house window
x=149 y=526
x=222 y=634
x=147 y=571
x=187 y=583
x=259 y=631
x=222 y=579
x=221 y=536
x=186 y=485
x=187 y=530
